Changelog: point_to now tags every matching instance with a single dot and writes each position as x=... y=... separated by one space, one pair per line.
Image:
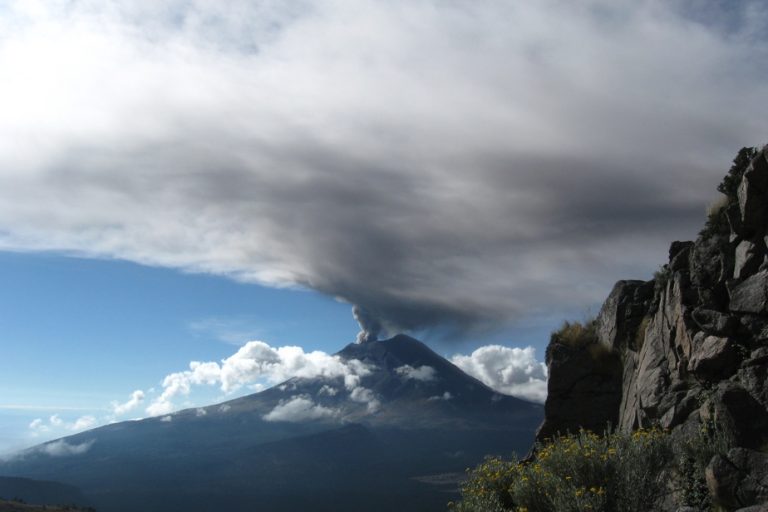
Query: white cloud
x=512 y=371
x=84 y=423
x=328 y=390
x=254 y=362
x=445 y=397
x=56 y=423
x=299 y=408
x=365 y=396
x=61 y=448
x=136 y=398
x=167 y=419
x=422 y=373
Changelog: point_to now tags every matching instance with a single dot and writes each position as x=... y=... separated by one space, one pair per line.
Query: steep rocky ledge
x=689 y=346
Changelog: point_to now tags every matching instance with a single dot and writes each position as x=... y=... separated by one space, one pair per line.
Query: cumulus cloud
x=436 y=163
x=61 y=448
x=299 y=408
x=422 y=373
x=56 y=423
x=257 y=362
x=328 y=390
x=135 y=400
x=365 y=396
x=512 y=371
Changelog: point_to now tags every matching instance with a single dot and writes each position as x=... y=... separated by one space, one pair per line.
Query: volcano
x=396 y=435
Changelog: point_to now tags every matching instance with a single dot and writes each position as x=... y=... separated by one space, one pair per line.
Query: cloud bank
x=61 y=448
x=459 y=164
x=299 y=408
x=255 y=363
x=423 y=373
x=512 y=371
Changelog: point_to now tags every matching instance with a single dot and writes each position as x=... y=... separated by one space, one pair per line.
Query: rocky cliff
x=689 y=346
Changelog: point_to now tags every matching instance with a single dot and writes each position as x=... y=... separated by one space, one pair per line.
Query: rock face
x=691 y=345
x=740 y=478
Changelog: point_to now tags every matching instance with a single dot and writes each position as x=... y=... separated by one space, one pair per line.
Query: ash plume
x=370 y=327
x=456 y=165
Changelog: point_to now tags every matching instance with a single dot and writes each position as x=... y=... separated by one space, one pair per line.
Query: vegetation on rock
x=615 y=472
x=576 y=334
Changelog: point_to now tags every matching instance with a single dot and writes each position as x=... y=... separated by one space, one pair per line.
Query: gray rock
x=751 y=295
x=701 y=334
x=622 y=313
x=738 y=479
x=748 y=258
x=714 y=359
x=755 y=508
x=714 y=322
x=584 y=390
x=733 y=214
x=711 y=265
x=742 y=416
x=752 y=198
x=679 y=254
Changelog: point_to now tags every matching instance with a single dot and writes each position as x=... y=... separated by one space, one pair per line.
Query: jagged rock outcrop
x=692 y=346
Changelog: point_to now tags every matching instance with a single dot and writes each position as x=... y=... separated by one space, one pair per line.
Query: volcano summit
x=387 y=435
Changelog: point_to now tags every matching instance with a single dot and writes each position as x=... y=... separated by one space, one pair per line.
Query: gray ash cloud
x=455 y=165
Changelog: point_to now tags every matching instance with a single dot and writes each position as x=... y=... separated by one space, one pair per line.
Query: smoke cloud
x=458 y=164
x=370 y=327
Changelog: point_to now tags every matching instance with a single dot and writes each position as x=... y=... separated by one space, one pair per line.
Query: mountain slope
x=40 y=492
x=348 y=441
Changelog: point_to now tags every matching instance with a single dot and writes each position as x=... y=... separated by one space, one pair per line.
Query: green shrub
x=717 y=221
x=616 y=472
x=730 y=184
x=693 y=455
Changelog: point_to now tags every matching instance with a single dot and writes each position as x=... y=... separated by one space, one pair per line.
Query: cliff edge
x=687 y=347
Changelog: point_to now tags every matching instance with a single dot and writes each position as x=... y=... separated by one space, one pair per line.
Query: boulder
x=741 y=415
x=738 y=479
x=714 y=359
x=751 y=295
x=714 y=322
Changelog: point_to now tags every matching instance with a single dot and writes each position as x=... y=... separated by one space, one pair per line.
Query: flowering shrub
x=616 y=472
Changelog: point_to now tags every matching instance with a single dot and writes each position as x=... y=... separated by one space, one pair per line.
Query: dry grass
x=576 y=334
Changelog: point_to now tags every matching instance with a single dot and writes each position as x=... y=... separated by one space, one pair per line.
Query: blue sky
x=78 y=334
x=469 y=172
